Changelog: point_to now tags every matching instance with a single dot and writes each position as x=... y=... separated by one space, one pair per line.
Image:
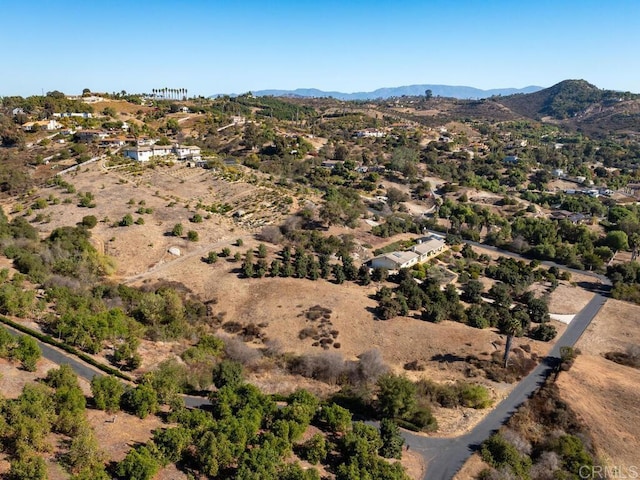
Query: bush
x=89 y=221
x=392 y=441
x=126 y=221
x=107 y=392
x=141 y=401
x=544 y=332
x=228 y=373
x=177 y=230
x=27 y=352
x=211 y=258
x=192 y=236
x=314 y=450
x=499 y=453
x=139 y=464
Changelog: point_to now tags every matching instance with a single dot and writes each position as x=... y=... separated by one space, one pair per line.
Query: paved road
x=445 y=456
x=60 y=357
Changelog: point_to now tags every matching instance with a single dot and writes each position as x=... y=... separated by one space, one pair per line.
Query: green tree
x=315 y=449
x=617 y=240
x=84 y=456
x=510 y=326
x=27 y=352
x=396 y=396
x=177 y=230
x=247 y=265
x=192 y=236
x=337 y=418
x=31 y=467
x=107 y=392
x=141 y=400
x=392 y=441
x=472 y=291
x=139 y=464
x=262 y=250
x=172 y=442
x=499 y=453
x=228 y=373
x=211 y=258
x=89 y=221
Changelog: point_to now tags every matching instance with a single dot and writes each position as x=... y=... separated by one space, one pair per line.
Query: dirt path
x=204 y=249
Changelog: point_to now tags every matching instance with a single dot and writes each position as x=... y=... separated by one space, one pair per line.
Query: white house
x=89 y=136
x=187 y=152
x=429 y=247
x=73 y=114
x=395 y=260
x=42 y=125
x=426 y=248
x=146 y=153
x=370 y=132
x=17 y=111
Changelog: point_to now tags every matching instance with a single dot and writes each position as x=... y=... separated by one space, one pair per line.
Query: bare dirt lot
x=615 y=327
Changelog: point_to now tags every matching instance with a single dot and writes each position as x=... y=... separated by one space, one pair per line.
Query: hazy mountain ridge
x=451 y=91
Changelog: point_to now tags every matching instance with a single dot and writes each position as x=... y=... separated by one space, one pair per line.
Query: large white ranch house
x=426 y=248
x=146 y=153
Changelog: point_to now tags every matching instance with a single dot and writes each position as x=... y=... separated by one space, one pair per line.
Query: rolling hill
x=577 y=104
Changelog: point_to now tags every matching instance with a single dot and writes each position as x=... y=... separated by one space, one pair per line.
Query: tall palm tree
x=510 y=326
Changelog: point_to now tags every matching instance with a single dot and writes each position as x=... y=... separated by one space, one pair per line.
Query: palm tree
x=510 y=326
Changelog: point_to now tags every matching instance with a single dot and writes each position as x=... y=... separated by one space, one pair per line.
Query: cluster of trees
x=246 y=436
x=55 y=405
x=22 y=348
x=303 y=264
x=511 y=309
x=625 y=278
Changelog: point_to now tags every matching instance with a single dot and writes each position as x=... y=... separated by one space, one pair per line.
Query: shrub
x=544 y=332
x=314 y=450
x=499 y=453
x=192 y=236
x=177 y=230
x=126 y=221
x=89 y=221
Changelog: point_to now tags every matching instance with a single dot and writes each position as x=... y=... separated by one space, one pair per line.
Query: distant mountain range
x=449 y=91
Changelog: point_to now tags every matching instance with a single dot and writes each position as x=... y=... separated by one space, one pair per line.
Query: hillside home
x=146 y=153
x=187 y=152
x=429 y=247
x=88 y=136
x=42 y=125
x=395 y=260
x=426 y=248
x=73 y=114
x=370 y=133
x=510 y=160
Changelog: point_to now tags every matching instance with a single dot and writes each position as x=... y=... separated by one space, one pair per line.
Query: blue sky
x=217 y=46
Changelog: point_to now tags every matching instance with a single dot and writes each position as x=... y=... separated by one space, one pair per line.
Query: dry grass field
x=603 y=393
